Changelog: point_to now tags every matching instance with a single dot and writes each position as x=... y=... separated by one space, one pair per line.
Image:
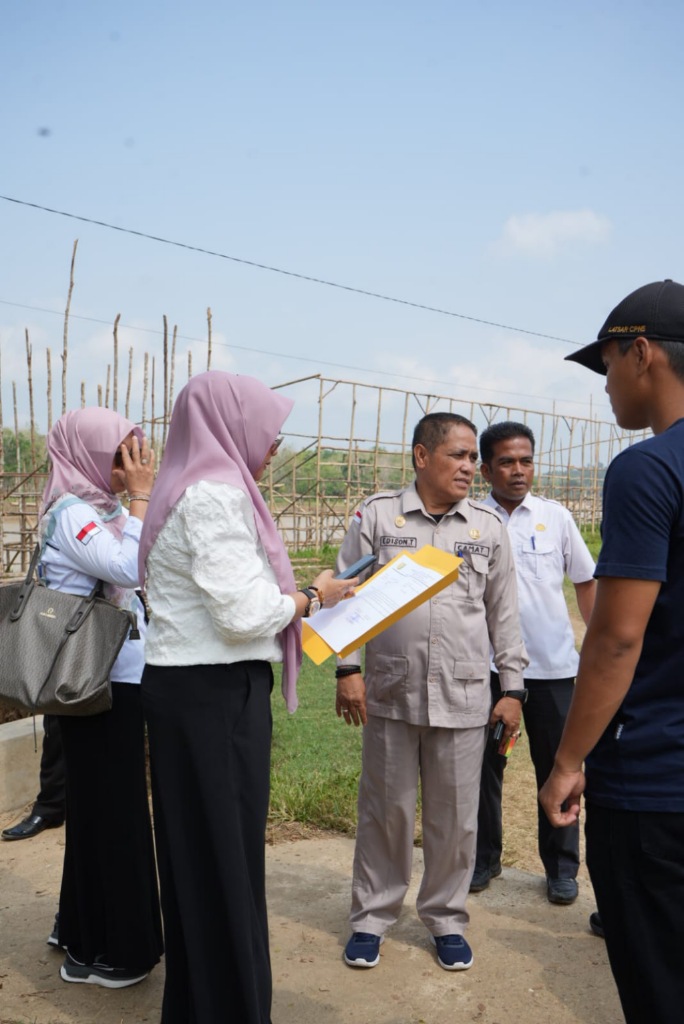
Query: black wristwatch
x=520 y=695
x=314 y=604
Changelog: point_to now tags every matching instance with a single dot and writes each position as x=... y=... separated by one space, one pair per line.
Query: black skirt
x=109 y=903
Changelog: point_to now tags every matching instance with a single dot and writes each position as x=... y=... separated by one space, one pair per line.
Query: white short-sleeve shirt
x=546 y=547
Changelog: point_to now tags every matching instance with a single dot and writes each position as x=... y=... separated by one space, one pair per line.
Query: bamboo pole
x=172 y=379
x=115 y=392
x=48 y=356
x=2 y=479
x=152 y=412
x=165 y=396
x=65 y=340
x=29 y=370
x=128 y=383
x=350 y=454
x=17 y=449
x=108 y=385
x=146 y=362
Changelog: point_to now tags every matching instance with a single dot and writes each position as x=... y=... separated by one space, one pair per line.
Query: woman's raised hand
x=138 y=467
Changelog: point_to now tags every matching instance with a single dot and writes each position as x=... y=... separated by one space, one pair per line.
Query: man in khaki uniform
x=425 y=700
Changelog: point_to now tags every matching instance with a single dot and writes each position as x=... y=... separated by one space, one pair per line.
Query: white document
x=384 y=594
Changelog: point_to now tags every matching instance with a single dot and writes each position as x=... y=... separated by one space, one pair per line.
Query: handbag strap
x=26 y=587
x=30 y=582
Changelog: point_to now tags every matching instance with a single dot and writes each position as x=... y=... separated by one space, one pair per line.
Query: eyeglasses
x=276 y=445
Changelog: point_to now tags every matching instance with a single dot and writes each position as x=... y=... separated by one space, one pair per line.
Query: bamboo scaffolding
x=360 y=444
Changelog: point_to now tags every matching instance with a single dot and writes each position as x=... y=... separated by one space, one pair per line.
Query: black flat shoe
x=29 y=827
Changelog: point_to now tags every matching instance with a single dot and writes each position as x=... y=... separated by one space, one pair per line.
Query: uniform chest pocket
x=472 y=575
x=538 y=559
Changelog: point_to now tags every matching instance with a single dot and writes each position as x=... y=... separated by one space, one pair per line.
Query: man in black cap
x=627 y=714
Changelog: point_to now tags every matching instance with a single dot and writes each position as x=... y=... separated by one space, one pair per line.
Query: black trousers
x=210 y=738
x=544 y=714
x=50 y=802
x=636 y=863
x=109 y=902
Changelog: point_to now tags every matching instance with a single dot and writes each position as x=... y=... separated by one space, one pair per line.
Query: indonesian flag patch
x=89 y=531
x=358 y=516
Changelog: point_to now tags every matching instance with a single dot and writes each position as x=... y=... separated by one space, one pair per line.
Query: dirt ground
x=534 y=963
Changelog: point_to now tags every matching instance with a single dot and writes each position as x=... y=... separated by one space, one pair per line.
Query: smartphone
x=498 y=731
x=357 y=568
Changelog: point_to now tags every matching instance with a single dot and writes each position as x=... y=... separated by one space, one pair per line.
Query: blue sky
x=515 y=163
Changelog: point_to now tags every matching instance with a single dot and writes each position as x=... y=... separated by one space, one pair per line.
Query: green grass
x=592 y=538
x=316 y=757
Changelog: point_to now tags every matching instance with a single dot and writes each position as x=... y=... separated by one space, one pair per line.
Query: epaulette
x=484 y=508
x=383 y=494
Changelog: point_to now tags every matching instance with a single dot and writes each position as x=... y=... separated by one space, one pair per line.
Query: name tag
x=471 y=548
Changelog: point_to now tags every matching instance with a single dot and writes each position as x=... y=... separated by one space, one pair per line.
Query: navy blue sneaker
x=363 y=950
x=561 y=890
x=453 y=952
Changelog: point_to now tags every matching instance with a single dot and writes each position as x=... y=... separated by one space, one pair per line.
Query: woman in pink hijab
x=224 y=606
x=109 y=919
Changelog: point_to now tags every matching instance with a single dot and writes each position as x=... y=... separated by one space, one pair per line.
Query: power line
x=289 y=273
x=281 y=355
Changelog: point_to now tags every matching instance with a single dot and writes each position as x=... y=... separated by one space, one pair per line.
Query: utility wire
x=290 y=273
x=305 y=359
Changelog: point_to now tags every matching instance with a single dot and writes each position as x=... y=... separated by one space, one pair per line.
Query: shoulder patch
x=87 y=532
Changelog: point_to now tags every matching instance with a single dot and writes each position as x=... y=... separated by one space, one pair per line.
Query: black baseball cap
x=655 y=311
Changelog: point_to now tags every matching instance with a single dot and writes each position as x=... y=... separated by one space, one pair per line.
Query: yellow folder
x=316 y=648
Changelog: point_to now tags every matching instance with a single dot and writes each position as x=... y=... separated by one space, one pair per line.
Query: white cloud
x=544 y=234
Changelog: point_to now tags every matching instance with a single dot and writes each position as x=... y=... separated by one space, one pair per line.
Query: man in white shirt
x=546 y=546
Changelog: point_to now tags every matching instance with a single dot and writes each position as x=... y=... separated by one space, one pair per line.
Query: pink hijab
x=82 y=445
x=221 y=430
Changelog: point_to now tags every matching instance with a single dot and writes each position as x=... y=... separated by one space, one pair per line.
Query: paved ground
x=534 y=963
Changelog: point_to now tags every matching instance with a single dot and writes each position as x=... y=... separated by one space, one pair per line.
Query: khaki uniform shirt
x=432 y=667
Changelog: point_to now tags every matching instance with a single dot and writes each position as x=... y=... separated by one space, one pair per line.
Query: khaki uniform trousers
x=449 y=762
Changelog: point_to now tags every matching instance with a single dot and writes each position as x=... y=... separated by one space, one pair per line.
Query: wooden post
x=128 y=384
x=65 y=340
x=115 y=392
x=29 y=368
x=48 y=356
x=165 y=396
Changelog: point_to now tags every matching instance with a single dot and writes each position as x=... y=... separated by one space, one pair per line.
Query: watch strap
x=520 y=695
x=312 y=594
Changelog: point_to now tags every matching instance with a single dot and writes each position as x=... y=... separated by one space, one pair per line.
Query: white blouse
x=212 y=594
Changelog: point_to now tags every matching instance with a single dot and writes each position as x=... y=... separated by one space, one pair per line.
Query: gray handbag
x=57 y=649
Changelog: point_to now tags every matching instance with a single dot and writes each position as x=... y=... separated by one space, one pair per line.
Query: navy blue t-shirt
x=638 y=764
